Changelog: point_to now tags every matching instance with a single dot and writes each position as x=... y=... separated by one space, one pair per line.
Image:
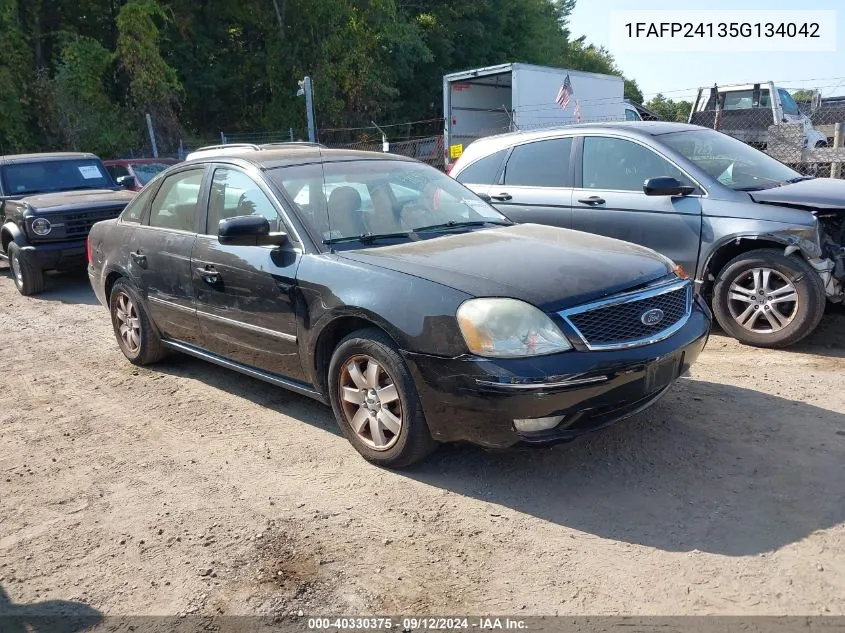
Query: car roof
x=281 y=156
x=139 y=161
x=634 y=128
x=34 y=158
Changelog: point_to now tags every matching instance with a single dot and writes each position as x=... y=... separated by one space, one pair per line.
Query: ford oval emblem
x=652 y=317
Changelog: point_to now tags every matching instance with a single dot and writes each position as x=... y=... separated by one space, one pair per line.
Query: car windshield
x=370 y=200
x=145 y=172
x=729 y=161
x=54 y=175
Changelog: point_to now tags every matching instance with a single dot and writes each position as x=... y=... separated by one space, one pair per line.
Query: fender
x=12 y=229
x=791 y=242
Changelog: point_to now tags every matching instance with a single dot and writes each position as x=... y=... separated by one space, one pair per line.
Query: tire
x=378 y=443
x=736 y=297
x=136 y=335
x=28 y=276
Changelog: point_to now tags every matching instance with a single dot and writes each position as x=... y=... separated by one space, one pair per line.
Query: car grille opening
x=625 y=323
x=79 y=224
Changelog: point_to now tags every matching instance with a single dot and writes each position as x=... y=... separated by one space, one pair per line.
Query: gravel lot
x=185 y=488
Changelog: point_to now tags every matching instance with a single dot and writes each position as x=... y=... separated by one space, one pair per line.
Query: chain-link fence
x=810 y=145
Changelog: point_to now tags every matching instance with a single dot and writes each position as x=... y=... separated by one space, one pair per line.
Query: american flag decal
x=564 y=94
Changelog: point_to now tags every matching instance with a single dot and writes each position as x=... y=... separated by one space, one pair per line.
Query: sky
x=678 y=75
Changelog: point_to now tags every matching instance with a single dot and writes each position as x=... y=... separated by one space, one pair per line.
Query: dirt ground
x=186 y=488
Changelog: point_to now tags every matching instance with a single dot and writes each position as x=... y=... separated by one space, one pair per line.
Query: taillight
x=88 y=247
x=450 y=168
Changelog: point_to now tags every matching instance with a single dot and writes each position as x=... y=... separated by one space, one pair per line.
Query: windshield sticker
x=90 y=171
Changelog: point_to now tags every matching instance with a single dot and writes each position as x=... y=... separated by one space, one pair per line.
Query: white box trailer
x=508 y=97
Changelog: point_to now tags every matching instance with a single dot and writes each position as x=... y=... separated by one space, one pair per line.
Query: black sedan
x=383 y=287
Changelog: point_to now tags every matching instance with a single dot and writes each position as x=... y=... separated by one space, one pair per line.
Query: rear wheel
x=375 y=401
x=27 y=275
x=137 y=337
x=768 y=299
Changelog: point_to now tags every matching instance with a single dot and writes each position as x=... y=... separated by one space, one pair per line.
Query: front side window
x=54 y=175
x=117 y=171
x=483 y=171
x=233 y=193
x=631 y=115
x=540 y=164
x=619 y=164
x=348 y=199
x=175 y=204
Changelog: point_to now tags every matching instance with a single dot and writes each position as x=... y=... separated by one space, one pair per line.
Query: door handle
x=592 y=200
x=139 y=258
x=502 y=197
x=209 y=274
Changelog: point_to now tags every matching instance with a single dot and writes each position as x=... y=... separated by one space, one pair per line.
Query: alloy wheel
x=370 y=402
x=129 y=325
x=15 y=265
x=763 y=300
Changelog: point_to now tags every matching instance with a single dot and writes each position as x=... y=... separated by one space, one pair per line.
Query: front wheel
x=767 y=299
x=375 y=401
x=27 y=275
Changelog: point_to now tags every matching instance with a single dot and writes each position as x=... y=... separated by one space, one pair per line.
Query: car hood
x=818 y=193
x=549 y=267
x=77 y=200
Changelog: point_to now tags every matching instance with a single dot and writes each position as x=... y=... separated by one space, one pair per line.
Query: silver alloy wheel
x=370 y=402
x=763 y=300
x=15 y=265
x=129 y=325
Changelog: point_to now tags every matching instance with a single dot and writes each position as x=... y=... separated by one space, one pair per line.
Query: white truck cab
x=745 y=111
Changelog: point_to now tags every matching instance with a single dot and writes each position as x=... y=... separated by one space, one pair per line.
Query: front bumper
x=65 y=255
x=476 y=399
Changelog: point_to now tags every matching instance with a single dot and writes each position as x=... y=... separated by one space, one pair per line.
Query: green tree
x=88 y=119
x=154 y=87
x=669 y=110
x=16 y=74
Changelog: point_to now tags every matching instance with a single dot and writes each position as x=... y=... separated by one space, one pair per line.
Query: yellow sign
x=455 y=151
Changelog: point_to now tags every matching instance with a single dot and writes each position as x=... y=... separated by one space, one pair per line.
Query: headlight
x=41 y=226
x=508 y=328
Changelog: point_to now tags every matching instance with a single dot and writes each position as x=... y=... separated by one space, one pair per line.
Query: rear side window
x=135 y=209
x=175 y=204
x=540 y=164
x=483 y=171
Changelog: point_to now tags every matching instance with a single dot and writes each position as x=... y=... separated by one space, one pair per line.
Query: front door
x=536 y=185
x=609 y=200
x=245 y=294
x=160 y=255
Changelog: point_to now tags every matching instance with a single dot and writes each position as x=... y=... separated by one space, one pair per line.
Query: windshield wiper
x=452 y=224
x=799 y=179
x=366 y=238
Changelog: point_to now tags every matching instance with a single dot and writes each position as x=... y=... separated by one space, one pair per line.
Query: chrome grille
x=621 y=321
x=79 y=224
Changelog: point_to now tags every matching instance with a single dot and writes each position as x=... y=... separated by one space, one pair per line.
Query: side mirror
x=248 y=230
x=127 y=182
x=666 y=186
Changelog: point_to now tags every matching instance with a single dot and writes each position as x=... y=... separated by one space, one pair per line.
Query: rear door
x=483 y=173
x=160 y=254
x=609 y=199
x=245 y=294
x=536 y=183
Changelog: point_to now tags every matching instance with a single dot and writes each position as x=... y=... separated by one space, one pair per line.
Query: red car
x=141 y=169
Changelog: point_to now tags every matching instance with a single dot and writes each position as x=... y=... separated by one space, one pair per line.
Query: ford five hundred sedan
x=382 y=287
